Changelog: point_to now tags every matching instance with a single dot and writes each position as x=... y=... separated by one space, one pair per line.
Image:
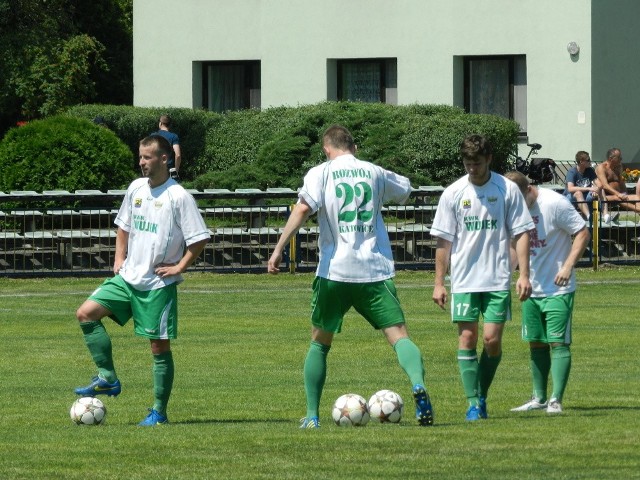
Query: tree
x=58 y=53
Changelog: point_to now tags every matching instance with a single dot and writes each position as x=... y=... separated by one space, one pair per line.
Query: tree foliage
x=58 y=53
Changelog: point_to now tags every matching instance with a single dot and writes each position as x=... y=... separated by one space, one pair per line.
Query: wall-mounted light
x=573 y=48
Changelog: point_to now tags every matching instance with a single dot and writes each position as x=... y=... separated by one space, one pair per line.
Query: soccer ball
x=386 y=406
x=88 y=411
x=350 y=410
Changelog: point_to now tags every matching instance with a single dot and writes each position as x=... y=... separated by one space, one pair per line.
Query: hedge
x=62 y=153
x=275 y=146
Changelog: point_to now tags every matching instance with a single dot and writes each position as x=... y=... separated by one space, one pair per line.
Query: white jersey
x=160 y=222
x=348 y=195
x=556 y=220
x=480 y=222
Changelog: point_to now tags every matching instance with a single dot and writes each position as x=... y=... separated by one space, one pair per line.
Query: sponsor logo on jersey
x=492 y=200
x=473 y=224
x=137 y=202
x=535 y=242
x=355 y=228
x=141 y=224
x=351 y=173
x=157 y=205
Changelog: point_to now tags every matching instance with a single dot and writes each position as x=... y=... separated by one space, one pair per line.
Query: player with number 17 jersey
x=349 y=193
x=474 y=218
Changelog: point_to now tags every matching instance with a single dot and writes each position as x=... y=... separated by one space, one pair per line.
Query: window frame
x=252 y=73
x=384 y=64
x=511 y=62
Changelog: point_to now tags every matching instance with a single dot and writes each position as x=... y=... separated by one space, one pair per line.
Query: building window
x=497 y=85
x=367 y=80
x=230 y=85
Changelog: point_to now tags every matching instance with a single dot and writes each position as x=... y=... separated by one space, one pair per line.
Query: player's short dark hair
x=339 y=137
x=474 y=146
x=163 y=147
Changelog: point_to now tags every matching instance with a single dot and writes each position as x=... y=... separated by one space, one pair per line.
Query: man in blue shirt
x=174 y=162
x=582 y=187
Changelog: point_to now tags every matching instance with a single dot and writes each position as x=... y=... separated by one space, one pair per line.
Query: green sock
x=486 y=371
x=99 y=344
x=315 y=373
x=540 y=365
x=163 y=371
x=410 y=360
x=468 y=365
x=560 y=368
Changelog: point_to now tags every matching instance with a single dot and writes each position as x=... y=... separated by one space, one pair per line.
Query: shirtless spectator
x=612 y=182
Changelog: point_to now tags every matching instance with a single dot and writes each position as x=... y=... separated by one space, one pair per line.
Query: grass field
x=238 y=393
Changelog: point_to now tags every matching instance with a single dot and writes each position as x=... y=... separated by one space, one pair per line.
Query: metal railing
x=59 y=233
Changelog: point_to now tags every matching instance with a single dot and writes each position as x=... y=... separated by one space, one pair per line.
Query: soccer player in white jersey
x=476 y=219
x=356 y=265
x=160 y=233
x=557 y=243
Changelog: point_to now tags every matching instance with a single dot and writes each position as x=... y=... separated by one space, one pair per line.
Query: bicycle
x=539 y=170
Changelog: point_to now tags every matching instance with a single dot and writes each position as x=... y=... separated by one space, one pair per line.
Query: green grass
x=238 y=393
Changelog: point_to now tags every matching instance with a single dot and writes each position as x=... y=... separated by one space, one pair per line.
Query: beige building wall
x=295 y=41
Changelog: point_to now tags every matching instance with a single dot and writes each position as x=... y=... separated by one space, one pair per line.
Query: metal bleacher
x=57 y=232
x=60 y=233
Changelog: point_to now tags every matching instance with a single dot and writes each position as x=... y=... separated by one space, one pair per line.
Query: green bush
x=276 y=146
x=132 y=124
x=63 y=153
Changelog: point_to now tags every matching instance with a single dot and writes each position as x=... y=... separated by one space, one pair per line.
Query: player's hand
x=274 y=263
x=523 y=288
x=562 y=277
x=164 y=270
x=440 y=296
x=117 y=265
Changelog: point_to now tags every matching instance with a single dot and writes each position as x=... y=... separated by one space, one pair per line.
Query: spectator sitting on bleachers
x=612 y=181
x=582 y=186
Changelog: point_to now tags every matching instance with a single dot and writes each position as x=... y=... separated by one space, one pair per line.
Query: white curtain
x=489 y=87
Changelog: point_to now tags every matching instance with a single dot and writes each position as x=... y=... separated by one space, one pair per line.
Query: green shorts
x=495 y=307
x=548 y=319
x=377 y=302
x=154 y=312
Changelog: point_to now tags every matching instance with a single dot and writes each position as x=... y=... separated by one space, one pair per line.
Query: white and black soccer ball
x=386 y=406
x=350 y=410
x=88 y=411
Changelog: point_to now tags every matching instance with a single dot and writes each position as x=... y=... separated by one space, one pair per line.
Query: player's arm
x=580 y=242
x=300 y=213
x=443 y=255
x=122 y=240
x=192 y=252
x=522 y=247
